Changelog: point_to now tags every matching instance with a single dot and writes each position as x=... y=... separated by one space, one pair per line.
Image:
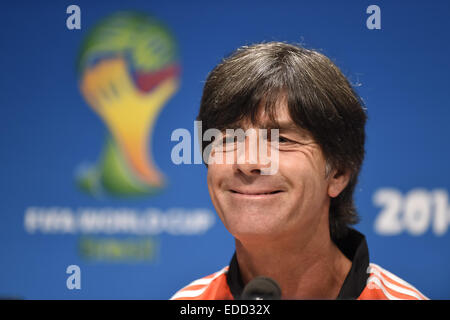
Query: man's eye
x=284 y=140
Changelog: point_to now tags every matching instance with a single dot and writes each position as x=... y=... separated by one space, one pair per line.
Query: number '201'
x=414 y=212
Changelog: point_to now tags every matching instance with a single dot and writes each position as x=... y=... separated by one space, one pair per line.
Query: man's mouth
x=255 y=193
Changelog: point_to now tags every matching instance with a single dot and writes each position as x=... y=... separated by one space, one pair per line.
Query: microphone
x=261 y=288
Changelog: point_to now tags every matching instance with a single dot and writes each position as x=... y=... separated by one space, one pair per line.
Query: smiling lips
x=255 y=193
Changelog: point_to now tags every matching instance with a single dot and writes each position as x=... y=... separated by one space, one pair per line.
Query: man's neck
x=308 y=267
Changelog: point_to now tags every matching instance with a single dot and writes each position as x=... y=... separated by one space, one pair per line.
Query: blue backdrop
x=47 y=130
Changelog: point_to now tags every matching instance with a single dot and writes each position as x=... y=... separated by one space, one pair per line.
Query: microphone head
x=261 y=288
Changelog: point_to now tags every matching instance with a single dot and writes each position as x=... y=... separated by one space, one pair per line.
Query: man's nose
x=248 y=158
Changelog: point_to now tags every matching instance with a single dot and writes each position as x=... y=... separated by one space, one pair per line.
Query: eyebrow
x=286 y=127
x=283 y=126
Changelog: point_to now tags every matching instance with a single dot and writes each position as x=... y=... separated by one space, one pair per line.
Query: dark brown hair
x=320 y=100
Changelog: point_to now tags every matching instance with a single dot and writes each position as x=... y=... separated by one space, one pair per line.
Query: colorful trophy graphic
x=128 y=71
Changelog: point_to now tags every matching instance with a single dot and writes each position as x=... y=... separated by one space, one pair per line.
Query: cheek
x=304 y=173
x=215 y=177
x=293 y=167
x=211 y=178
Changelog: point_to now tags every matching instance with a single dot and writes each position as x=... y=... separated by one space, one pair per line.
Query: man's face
x=294 y=198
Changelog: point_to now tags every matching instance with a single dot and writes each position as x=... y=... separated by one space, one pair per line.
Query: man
x=291 y=225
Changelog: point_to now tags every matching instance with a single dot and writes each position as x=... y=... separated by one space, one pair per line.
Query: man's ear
x=337 y=182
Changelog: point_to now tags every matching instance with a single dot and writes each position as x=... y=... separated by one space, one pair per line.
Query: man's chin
x=254 y=221
x=262 y=234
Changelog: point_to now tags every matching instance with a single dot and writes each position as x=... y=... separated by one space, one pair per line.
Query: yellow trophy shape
x=128 y=113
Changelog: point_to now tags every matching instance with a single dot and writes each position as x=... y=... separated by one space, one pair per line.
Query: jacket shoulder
x=211 y=287
x=384 y=285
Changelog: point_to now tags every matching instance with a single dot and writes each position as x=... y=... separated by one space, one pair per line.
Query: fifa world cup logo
x=128 y=72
